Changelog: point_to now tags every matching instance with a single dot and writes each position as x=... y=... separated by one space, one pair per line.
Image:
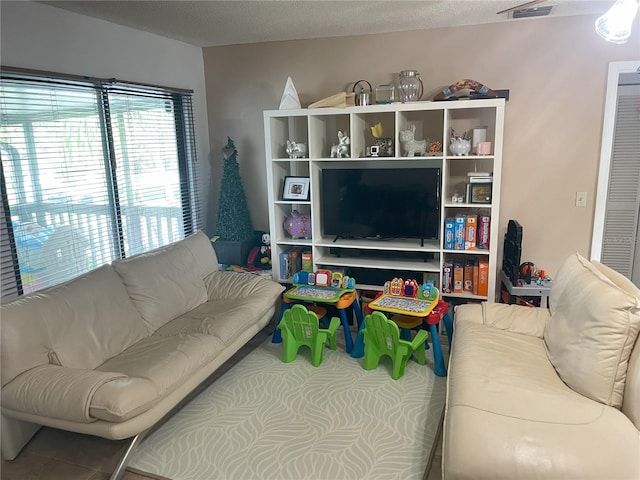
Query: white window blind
x=93 y=171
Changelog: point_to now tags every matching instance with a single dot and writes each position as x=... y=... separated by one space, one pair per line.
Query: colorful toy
x=260 y=257
x=465 y=88
x=321 y=285
x=306 y=289
x=406 y=297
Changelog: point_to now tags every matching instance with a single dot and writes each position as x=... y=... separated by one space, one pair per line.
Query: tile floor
x=58 y=455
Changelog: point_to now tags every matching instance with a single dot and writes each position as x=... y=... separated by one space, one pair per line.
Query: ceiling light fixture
x=615 y=25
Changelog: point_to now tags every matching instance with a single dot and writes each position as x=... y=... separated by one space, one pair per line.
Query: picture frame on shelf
x=296 y=188
x=479 y=192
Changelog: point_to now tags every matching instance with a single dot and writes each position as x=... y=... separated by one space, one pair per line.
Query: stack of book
x=471 y=277
x=467 y=232
x=293 y=261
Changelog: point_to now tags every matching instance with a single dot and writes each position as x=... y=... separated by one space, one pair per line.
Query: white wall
x=41 y=37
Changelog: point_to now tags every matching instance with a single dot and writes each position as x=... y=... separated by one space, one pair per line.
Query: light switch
x=581 y=199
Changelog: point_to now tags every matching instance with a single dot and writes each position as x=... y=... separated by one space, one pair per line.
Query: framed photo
x=480 y=192
x=296 y=188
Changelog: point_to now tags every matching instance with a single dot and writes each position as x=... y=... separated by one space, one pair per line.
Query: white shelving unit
x=318 y=128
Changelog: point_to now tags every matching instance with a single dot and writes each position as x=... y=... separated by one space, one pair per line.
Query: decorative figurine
x=410 y=145
x=435 y=147
x=296 y=150
x=342 y=148
x=382 y=147
x=459 y=145
x=298 y=225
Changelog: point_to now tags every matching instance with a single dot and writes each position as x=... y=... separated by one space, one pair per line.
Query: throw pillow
x=594 y=324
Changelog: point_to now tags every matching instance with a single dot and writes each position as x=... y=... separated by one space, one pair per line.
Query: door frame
x=611 y=103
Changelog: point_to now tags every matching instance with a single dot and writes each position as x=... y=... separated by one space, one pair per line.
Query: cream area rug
x=265 y=419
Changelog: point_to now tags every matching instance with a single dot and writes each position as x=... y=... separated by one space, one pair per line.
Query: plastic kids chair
x=382 y=337
x=300 y=327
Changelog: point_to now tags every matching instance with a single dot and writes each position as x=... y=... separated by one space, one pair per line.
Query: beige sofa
x=112 y=352
x=548 y=393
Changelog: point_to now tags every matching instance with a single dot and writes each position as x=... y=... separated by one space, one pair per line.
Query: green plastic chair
x=382 y=337
x=300 y=327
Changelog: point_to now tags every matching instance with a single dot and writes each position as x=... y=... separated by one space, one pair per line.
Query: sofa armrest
x=231 y=285
x=514 y=318
x=56 y=392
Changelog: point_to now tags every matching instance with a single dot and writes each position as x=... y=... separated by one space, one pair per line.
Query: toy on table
x=406 y=297
x=321 y=285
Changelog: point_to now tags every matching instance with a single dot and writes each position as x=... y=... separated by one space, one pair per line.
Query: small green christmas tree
x=234 y=220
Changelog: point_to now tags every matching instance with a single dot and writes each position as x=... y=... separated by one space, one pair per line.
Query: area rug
x=265 y=419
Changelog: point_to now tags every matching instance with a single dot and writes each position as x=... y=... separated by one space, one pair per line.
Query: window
x=92 y=171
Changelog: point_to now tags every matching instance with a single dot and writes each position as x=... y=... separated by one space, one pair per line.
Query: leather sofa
x=547 y=393
x=112 y=352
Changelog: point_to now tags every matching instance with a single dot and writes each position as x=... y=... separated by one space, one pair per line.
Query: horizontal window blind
x=92 y=171
x=10 y=284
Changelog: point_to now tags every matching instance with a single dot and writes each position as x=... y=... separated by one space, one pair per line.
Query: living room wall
x=41 y=37
x=555 y=69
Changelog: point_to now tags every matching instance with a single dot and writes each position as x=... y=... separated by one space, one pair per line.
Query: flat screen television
x=381 y=203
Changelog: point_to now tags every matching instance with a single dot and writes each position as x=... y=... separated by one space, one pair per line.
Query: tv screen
x=381 y=203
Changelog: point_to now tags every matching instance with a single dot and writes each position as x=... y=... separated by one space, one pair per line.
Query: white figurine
x=296 y=150
x=342 y=149
x=410 y=145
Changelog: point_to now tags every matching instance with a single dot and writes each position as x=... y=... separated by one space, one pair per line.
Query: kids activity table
x=411 y=307
x=339 y=298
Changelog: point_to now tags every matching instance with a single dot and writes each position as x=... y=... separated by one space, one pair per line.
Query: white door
x=616 y=234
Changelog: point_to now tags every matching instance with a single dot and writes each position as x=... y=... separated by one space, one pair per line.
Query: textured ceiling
x=215 y=23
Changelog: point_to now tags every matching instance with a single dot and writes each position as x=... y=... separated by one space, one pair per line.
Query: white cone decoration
x=290 y=98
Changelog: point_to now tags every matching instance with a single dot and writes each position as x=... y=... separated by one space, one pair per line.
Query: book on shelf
x=449 y=234
x=467 y=232
x=484 y=226
x=483 y=278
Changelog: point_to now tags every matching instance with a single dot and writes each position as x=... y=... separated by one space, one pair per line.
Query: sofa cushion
x=226 y=319
x=56 y=392
x=165 y=361
x=200 y=247
x=593 y=327
x=229 y=285
x=515 y=318
x=163 y=283
x=78 y=324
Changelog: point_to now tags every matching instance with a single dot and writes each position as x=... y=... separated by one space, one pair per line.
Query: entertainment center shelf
x=431 y=175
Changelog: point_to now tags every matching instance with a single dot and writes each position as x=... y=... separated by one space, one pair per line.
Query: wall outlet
x=581 y=199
